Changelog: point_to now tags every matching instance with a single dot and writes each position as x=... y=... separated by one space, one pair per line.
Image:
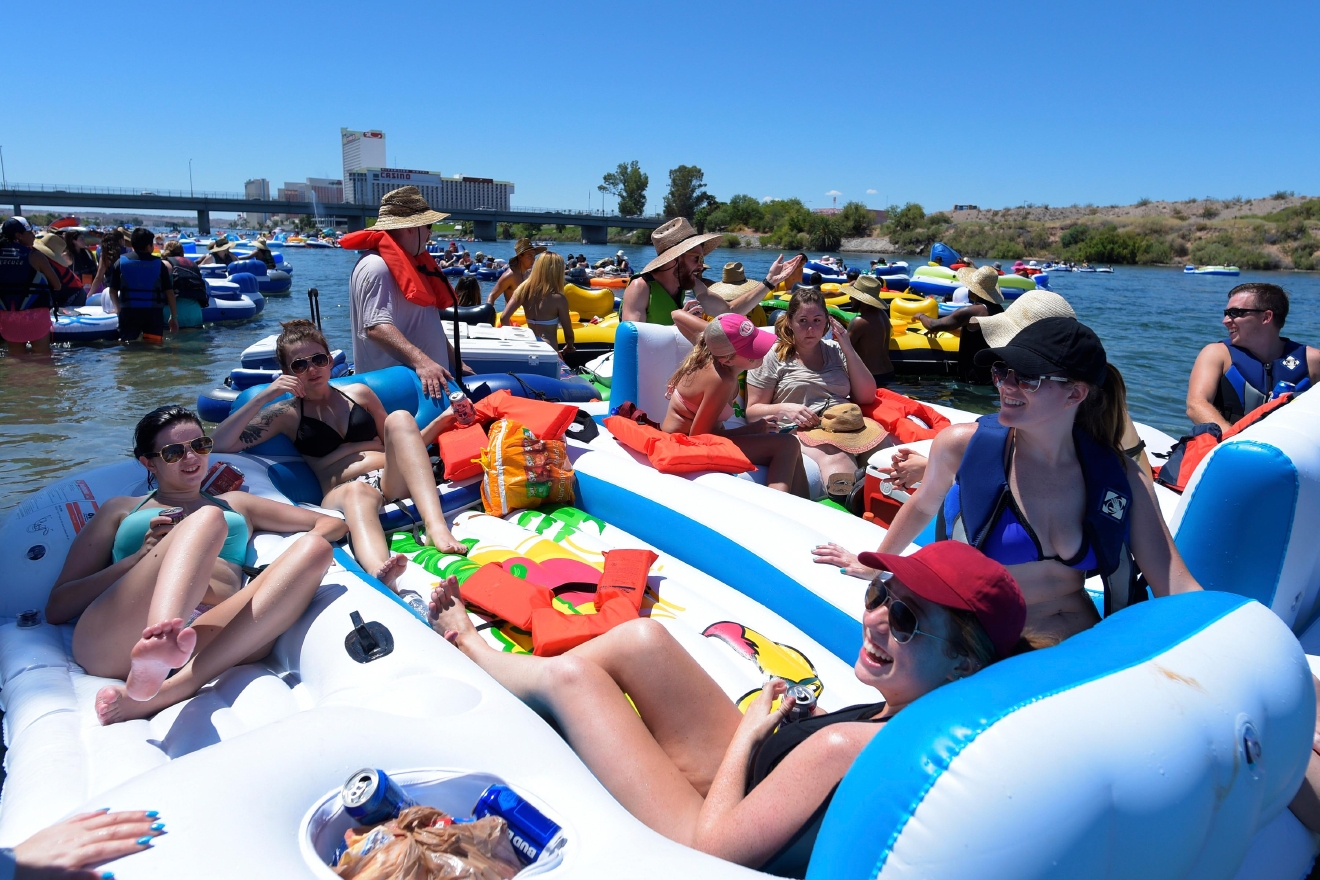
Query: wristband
x=768 y=285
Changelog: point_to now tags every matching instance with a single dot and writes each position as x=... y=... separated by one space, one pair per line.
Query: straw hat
x=1030 y=307
x=52 y=245
x=982 y=283
x=404 y=208
x=676 y=238
x=260 y=244
x=524 y=246
x=844 y=426
x=221 y=244
x=733 y=283
x=865 y=290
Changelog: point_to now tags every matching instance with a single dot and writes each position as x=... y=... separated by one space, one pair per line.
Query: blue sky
x=995 y=104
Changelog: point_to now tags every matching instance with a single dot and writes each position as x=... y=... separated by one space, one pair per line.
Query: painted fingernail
x=152 y=814
x=843 y=571
x=143 y=841
x=158 y=826
x=107 y=875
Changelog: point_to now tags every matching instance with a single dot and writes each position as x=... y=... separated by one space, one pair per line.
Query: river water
x=77 y=406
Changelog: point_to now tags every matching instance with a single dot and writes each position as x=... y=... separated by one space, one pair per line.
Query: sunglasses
x=176 y=451
x=300 y=365
x=1002 y=374
x=902 y=619
x=1240 y=313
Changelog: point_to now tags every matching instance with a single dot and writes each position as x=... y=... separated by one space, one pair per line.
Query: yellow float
x=589 y=302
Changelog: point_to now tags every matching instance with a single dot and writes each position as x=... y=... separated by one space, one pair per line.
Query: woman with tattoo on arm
x=361 y=456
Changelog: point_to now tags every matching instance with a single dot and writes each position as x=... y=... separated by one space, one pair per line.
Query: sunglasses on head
x=1240 y=313
x=176 y=451
x=902 y=619
x=1002 y=374
x=300 y=365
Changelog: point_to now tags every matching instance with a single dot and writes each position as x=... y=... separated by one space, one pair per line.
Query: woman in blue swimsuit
x=1044 y=487
x=668 y=743
x=152 y=596
x=362 y=456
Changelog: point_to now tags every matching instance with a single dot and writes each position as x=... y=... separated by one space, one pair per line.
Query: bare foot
x=388 y=573
x=449 y=615
x=163 y=647
x=443 y=540
x=114 y=705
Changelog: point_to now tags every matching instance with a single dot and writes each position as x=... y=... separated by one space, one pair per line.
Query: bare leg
x=782 y=455
x=240 y=629
x=831 y=460
x=361 y=506
x=602 y=726
x=42 y=345
x=408 y=474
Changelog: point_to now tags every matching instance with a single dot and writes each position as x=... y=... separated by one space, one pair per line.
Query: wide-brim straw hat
x=733 y=283
x=404 y=208
x=1030 y=307
x=676 y=238
x=844 y=426
x=53 y=246
x=221 y=244
x=982 y=283
x=525 y=246
x=865 y=290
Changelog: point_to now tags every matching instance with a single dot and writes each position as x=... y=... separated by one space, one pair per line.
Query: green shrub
x=1222 y=250
x=641 y=236
x=1074 y=235
x=1143 y=202
x=855 y=219
x=732 y=241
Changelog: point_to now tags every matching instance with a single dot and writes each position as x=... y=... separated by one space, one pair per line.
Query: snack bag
x=522 y=472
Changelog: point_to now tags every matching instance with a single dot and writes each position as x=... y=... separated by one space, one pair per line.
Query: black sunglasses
x=176 y=451
x=1002 y=374
x=902 y=619
x=1240 y=313
x=300 y=365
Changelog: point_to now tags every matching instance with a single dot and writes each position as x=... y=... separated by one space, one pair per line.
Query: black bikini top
x=316 y=439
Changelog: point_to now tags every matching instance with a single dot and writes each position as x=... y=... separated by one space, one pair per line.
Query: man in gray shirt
x=389 y=328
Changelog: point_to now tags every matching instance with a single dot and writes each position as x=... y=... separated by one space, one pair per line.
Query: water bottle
x=415 y=602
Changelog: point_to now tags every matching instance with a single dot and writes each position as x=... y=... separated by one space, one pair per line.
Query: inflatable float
x=85 y=324
x=1204 y=270
x=271 y=282
x=610 y=282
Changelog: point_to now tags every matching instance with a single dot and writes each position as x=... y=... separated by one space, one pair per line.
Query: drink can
x=804 y=702
x=530 y=832
x=464 y=412
x=371 y=797
x=173 y=514
x=221 y=478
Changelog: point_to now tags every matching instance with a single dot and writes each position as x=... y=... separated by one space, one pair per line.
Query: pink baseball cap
x=731 y=333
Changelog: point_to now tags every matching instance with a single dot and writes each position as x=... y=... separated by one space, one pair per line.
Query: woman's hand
x=845 y=562
x=840 y=333
x=85 y=840
x=284 y=384
x=803 y=416
x=761 y=718
x=157 y=529
x=906 y=470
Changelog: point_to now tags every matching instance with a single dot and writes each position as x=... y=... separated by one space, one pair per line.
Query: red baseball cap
x=957 y=575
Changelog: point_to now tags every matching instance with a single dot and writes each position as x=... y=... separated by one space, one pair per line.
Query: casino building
x=366 y=178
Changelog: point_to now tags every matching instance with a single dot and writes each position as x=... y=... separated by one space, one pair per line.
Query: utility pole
x=191 y=192
x=4 y=179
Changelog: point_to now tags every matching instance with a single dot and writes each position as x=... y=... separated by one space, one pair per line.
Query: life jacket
x=894 y=412
x=188 y=282
x=1248 y=383
x=1191 y=448
x=140 y=282
x=981 y=493
x=16 y=276
x=680 y=453
x=417 y=275
x=545 y=419
x=660 y=303
x=460 y=450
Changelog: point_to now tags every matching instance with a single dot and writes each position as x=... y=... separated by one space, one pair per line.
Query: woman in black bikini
x=661 y=735
x=361 y=456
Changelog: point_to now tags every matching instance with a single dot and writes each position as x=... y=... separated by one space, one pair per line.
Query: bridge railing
x=122 y=191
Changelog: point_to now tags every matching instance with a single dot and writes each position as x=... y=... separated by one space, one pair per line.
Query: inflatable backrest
x=252 y=267
x=902 y=307
x=1145 y=747
x=482 y=314
x=645 y=356
x=247 y=283
x=1248 y=521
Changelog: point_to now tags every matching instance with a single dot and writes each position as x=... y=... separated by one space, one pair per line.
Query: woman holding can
x=156 y=582
x=361 y=456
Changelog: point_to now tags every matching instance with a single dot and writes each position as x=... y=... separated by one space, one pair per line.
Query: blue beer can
x=371 y=797
x=530 y=832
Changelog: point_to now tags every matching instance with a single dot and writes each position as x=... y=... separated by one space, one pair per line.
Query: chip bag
x=522 y=472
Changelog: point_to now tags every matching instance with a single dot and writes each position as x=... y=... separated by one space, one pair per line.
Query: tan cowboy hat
x=865 y=290
x=733 y=283
x=982 y=283
x=524 y=246
x=260 y=244
x=1030 y=307
x=844 y=426
x=53 y=246
x=221 y=244
x=676 y=238
x=404 y=208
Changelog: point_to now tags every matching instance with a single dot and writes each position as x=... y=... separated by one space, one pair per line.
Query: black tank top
x=793 y=857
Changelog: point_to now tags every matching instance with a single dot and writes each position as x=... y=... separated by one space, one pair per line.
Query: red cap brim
x=917 y=577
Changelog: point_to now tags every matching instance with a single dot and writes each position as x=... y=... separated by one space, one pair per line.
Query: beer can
x=173 y=514
x=530 y=832
x=463 y=409
x=804 y=702
x=221 y=478
x=371 y=797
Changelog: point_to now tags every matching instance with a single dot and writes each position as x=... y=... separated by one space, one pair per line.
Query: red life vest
x=893 y=411
x=1188 y=452
x=420 y=279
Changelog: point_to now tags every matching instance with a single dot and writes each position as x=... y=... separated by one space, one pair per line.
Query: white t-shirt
x=375 y=299
x=962 y=296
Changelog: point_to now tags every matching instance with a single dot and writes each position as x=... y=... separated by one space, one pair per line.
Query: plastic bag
x=523 y=472
x=424 y=843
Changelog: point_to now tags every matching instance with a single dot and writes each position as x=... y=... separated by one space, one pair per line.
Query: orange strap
x=417 y=275
x=460 y=450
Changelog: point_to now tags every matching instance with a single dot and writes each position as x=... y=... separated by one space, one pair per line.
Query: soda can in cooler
x=371 y=797
x=463 y=409
x=530 y=832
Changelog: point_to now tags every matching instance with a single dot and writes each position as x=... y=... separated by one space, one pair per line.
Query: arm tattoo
x=258 y=427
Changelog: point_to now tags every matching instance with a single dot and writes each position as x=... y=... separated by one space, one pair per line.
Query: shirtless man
x=520 y=266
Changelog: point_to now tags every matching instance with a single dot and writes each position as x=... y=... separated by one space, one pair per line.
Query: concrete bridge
x=595 y=224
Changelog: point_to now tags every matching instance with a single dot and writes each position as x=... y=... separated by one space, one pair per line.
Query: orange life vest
x=420 y=279
x=460 y=450
x=893 y=411
x=680 y=453
x=545 y=419
x=1188 y=452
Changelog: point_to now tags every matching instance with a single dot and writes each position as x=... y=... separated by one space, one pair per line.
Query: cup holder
x=453 y=791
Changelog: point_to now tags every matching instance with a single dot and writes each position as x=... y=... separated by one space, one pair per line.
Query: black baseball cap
x=1053 y=346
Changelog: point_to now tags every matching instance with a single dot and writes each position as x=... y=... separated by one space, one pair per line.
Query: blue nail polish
x=158 y=826
x=143 y=841
x=108 y=875
x=843 y=571
x=151 y=814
